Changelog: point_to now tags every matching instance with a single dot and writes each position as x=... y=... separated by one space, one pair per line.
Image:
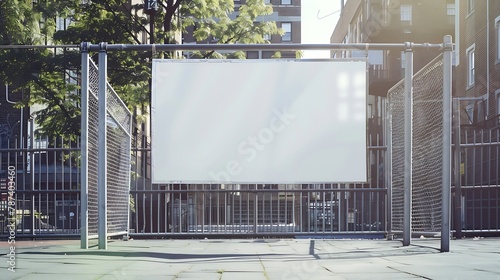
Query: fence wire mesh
x=118 y=158
x=427 y=149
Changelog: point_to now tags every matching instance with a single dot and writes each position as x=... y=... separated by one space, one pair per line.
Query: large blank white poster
x=258 y=121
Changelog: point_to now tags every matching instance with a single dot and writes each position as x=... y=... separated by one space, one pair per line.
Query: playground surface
x=473 y=258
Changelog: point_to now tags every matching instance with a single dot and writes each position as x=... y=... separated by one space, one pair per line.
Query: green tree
x=42 y=73
x=49 y=75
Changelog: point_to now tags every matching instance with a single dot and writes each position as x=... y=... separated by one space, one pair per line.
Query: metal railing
x=259 y=210
x=198 y=210
x=477 y=189
x=46 y=196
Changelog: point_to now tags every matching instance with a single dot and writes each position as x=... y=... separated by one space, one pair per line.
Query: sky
x=319 y=18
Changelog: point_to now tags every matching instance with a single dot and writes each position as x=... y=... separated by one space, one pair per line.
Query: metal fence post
x=457 y=170
x=447 y=119
x=84 y=171
x=408 y=144
x=31 y=154
x=102 y=158
x=388 y=172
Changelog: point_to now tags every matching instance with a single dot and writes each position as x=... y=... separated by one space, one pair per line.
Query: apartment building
x=478 y=61
x=286 y=14
x=393 y=21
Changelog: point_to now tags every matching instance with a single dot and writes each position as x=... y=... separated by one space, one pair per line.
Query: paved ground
x=291 y=259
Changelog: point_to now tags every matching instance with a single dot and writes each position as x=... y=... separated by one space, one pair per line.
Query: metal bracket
x=103 y=47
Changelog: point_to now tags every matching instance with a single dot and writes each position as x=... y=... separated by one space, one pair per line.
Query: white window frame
x=471 y=65
x=406 y=13
x=287 y=36
x=286 y=2
x=450 y=9
x=486 y=102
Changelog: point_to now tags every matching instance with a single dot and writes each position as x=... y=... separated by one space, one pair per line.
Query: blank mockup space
x=259 y=121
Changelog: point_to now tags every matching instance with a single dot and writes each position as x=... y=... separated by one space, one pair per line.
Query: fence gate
x=106 y=145
x=427 y=149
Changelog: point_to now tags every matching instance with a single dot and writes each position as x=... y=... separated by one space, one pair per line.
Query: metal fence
x=46 y=199
x=259 y=210
x=52 y=207
x=48 y=196
x=477 y=184
x=427 y=137
x=105 y=157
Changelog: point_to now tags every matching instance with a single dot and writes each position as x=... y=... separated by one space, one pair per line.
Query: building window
x=450 y=9
x=267 y=1
x=470 y=65
x=450 y=12
x=287 y=27
x=470 y=6
x=286 y=2
x=497 y=31
x=406 y=13
x=498 y=103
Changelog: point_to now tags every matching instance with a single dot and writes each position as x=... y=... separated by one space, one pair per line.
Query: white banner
x=259 y=121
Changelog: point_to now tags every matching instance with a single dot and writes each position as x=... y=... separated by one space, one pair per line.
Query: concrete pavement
x=255 y=259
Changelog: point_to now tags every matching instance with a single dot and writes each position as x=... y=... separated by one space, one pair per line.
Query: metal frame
x=447 y=121
x=84 y=190
x=103 y=89
x=102 y=202
x=408 y=140
x=446 y=47
x=408 y=47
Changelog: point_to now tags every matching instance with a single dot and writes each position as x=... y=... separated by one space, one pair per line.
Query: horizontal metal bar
x=48 y=236
x=480 y=144
x=328 y=234
x=38 y=46
x=141 y=149
x=39 y=150
x=480 y=187
x=467 y=98
x=377 y=148
x=237 y=47
x=369 y=148
x=59 y=191
x=258 y=191
x=249 y=47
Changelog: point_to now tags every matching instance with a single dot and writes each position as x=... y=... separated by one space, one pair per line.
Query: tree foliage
x=50 y=75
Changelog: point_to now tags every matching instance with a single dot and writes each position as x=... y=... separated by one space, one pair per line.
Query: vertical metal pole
x=388 y=164
x=408 y=140
x=84 y=191
x=32 y=173
x=102 y=158
x=458 y=183
x=129 y=146
x=447 y=118
x=256 y=212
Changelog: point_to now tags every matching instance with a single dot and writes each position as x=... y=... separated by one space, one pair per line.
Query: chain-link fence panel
x=427 y=148
x=118 y=124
